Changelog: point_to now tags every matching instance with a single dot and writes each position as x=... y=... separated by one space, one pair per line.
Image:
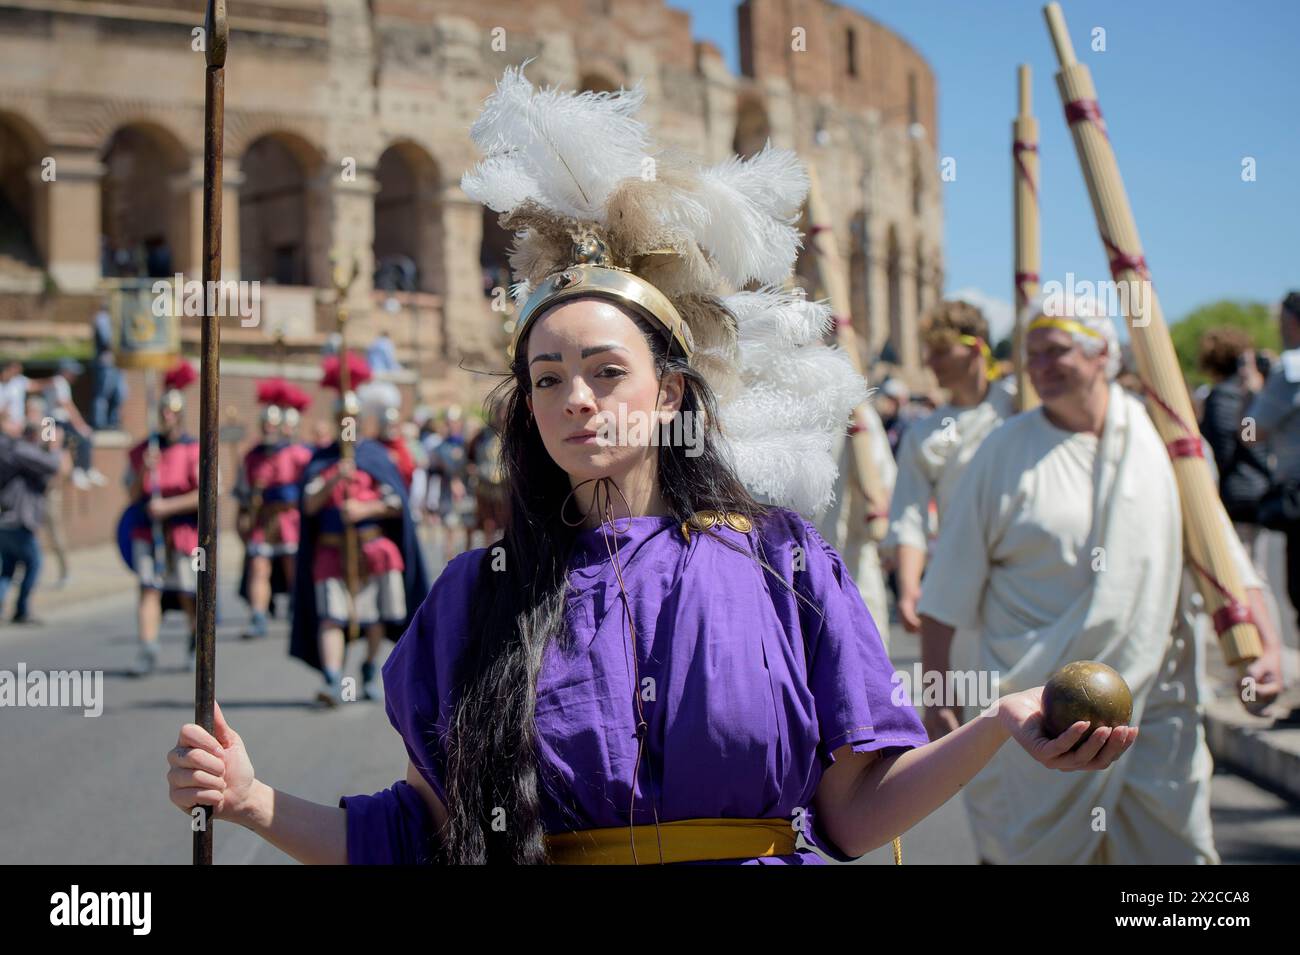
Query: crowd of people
x=989 y=513
x=1064 y=524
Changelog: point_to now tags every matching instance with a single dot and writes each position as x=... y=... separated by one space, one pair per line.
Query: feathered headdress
x=358 y=372
x=180 y=377
x=175 y=381
x=271 y=391
x=295 y=398
x=598 y=210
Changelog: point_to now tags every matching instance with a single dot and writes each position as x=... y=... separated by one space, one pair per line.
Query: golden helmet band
x=591 y=275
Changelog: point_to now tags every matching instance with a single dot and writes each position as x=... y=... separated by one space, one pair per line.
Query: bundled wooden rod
x=1204 y=521
x=830 y=275
x=1024 y=173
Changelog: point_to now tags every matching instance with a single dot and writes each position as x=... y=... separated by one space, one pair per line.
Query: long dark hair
x=493 y=789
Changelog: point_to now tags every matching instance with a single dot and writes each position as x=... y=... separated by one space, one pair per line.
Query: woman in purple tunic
x=650 y=665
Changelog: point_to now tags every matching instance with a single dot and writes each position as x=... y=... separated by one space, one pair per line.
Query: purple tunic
x=753 y=689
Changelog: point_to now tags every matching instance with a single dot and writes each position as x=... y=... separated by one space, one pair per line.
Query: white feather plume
x=783 y=396
x=796 y=397
x=779 y=315
x=753 y=205
x=565 y=150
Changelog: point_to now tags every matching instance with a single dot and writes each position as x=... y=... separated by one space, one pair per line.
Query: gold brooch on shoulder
x=703 y=520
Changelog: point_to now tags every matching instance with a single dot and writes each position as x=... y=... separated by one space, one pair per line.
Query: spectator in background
x=448 y=472
x=26 y=466
x=76 y=433
x=487 y=481
x=1227 y=356
x=1275 y=412
x=13 y=390
x=891 y=398
x=108 y=382
x=381 y=355
x=158 y=258
x=41 y=428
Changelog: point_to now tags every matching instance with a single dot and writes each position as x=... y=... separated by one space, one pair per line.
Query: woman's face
x=595 y=396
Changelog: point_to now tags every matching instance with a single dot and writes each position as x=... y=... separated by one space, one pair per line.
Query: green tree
x=1255 y=318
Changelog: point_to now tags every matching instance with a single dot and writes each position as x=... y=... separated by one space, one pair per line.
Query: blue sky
x=1188 y=88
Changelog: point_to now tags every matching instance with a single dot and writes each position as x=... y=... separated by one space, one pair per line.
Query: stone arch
x=494 y=255
x=23 y=207
x=408 y=219
x=860 y=273
x=752 y=127
x=922 y=270
x=894 y=290
x=598 y=80
x=278 y=212
x=145 y=215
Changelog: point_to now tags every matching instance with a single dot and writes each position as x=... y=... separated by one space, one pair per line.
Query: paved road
x=91 y=790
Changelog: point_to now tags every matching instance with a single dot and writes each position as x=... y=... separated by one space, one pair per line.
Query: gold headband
x=992 y=369
x=593 y=275
x=1065 y=324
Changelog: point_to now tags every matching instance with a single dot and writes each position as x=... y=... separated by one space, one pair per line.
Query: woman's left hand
x=1022 y=715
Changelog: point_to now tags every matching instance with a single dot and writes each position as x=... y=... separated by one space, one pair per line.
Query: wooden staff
x=1024 y=176
x=342 y=283
x=1169 y=405
x=830 y=277
x=214 y=114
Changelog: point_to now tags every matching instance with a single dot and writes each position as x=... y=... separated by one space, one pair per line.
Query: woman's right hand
x=211 y=770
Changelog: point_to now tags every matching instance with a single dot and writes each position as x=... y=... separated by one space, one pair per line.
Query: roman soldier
x=353 y=511
x=159 y=531
x=383 y=406
x=268 y=491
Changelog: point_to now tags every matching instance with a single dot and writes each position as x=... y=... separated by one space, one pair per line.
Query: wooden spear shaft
x=214 y=111
x=342 y=283
x=1025 y=178
x=1204 y=521
x=831 y=278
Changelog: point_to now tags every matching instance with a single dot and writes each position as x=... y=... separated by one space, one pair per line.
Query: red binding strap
x=1173 y=415
x=1119 y=261
x=1231 y=613
x=1023 y=279
x=1086 y=109
x=1186 y=447
x=1018 y=147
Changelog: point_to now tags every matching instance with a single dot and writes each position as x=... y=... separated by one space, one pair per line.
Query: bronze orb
x=1085 y=690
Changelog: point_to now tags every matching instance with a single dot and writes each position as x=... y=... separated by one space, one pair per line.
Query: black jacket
x=25 y=470
x=1244 y=473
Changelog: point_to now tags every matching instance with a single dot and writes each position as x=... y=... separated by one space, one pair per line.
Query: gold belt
x=363 y=534
x=683 y=840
